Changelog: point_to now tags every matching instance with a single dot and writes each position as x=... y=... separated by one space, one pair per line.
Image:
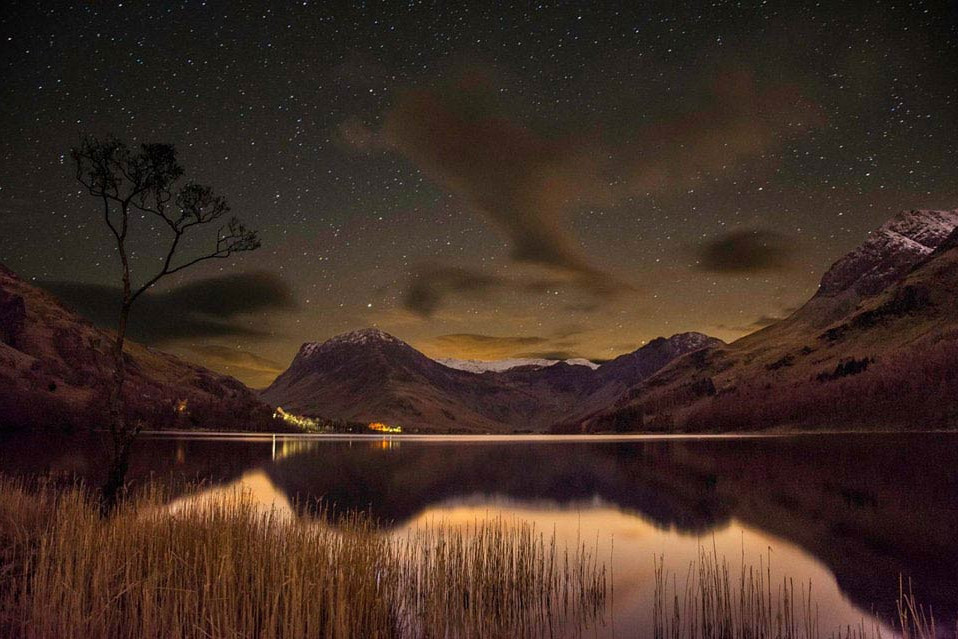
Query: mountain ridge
x=883 y=318
x=500 y=365
x=834 y=360
x=370 y=375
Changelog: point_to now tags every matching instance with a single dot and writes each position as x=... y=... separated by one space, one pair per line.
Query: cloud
x=526 y=184
x=431 y=283
x=739 y=122
x=518 y=180
x=203 y=308
x=256 y=371
x=745 y=251
x=491 y=347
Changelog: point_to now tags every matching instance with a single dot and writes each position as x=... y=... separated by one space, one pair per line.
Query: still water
x=847 y=513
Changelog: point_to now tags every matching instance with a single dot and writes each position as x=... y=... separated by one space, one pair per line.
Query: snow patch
x=362 y=337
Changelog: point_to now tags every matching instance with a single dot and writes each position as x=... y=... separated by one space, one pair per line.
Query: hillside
x=876 y=347
x=55 y=369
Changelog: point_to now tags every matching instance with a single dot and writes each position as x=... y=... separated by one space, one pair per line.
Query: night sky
x=481 y=181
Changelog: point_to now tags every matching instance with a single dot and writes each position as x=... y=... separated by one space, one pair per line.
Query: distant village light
x=304 y=423
x=380 y=427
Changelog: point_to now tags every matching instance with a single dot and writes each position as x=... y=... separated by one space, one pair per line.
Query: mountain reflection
x=870 y=508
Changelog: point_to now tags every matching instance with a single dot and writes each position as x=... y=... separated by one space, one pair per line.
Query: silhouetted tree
x=145 y=182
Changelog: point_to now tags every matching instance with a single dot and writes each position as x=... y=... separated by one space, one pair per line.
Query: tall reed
x=712 y=603
x=225 y=568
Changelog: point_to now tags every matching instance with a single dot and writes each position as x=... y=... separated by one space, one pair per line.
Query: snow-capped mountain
x=369 y=375
x=362 y=337
x=500 y=365
x=889 y=253
x=876 y=347
x=374 y=336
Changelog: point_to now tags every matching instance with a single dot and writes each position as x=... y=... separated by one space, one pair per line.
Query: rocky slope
x=55 y=368
x=368 y=375
x=876 y=347
x=886 y=256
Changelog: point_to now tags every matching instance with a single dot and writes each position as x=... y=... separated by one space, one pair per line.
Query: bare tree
x=144 y=182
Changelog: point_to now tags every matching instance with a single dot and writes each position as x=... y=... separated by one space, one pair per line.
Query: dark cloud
x=746 y=251
x=526 y=183
x=255 y=371
x=491 y=347
x=520 y=181
x=738 y=123
x=431 y=283
x=203 y=308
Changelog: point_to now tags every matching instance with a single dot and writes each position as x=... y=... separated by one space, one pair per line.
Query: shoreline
x=521 y=437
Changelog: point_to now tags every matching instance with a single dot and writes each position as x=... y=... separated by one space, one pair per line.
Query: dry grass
x=223 y=567
x=228 y=569
x=713 y=604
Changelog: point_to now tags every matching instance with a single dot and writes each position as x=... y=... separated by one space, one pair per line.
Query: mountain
x=369 y=375
x=55 y=368
x=875 y=347
x=885 y=257
x=499 y=365
x=656 y=354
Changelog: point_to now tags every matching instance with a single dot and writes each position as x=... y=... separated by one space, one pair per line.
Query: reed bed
x=714 y=603
x=509 y=580
x=226 y=568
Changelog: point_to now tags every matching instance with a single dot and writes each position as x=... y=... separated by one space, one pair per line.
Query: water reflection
x=631 y=544
x=848 y=512
x=628 y=543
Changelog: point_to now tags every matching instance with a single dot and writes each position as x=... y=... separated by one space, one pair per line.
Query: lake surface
x=847 y=513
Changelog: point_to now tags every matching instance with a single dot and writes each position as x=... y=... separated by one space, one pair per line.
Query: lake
x=846 y=513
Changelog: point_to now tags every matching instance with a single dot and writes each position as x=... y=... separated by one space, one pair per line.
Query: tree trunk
x=120 y=435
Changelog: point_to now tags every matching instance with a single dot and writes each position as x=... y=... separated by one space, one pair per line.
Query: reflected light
x=630 y=545
x=385 y=444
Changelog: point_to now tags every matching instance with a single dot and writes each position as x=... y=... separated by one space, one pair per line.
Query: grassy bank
x=227 y=569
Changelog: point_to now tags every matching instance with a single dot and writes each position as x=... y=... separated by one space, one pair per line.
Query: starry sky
x=483 y=181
